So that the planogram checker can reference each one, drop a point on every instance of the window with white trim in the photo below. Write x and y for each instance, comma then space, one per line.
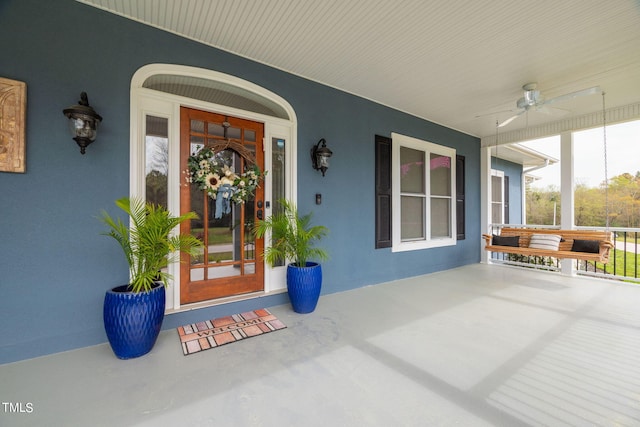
424, 188
497, 197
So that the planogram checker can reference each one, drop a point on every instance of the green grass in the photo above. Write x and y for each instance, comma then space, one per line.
217, 235
630, 239
632, 263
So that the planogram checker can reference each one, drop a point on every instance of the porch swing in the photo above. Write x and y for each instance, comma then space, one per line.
584, 245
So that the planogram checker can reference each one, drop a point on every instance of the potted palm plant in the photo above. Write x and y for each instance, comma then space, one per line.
293, 238
133, 313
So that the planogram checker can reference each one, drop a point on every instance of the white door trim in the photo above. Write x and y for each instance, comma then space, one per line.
151, 102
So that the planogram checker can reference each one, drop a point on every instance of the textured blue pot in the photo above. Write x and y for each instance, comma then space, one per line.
303, 284
133, 320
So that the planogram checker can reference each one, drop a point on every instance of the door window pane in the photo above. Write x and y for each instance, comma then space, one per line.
197, 126
197, 142
277, 172
197, 225
235, 133
250, 135
215, 129
156, 159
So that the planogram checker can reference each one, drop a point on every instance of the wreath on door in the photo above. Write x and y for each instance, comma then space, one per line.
218, 179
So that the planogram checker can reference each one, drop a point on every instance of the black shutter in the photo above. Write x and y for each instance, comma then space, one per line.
506, 199
460, 198
383, 192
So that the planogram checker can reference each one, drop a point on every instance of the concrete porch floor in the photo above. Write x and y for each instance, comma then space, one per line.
479, 345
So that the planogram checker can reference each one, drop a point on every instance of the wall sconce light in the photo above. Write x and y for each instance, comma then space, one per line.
320, 156
83, 122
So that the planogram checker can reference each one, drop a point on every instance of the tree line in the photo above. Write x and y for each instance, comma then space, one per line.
622, 197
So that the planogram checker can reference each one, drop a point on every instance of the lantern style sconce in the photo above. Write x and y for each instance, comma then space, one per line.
320, 156
83, 122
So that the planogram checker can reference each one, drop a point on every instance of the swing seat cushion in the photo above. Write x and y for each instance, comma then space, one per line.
589, 246
549, 242
512, 241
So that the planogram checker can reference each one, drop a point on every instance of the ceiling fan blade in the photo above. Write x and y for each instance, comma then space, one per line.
479, 116
565, 97
510, 119
555, 111
544, 110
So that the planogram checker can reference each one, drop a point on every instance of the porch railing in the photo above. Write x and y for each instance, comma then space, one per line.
623, 262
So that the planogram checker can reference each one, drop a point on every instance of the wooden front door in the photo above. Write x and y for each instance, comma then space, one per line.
230, 262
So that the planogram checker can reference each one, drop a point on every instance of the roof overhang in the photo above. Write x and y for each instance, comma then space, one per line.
524, 156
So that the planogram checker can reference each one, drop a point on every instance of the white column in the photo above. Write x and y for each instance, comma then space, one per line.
485, 198
567, 266
523, 198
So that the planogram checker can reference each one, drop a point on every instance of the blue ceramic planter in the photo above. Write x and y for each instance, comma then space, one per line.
132, 321
304, 284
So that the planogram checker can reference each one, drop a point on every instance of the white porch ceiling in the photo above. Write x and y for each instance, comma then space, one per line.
446, 61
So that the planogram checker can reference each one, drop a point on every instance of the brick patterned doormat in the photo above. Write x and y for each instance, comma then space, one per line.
225, 330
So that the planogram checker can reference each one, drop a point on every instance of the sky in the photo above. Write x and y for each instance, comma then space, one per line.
623, 154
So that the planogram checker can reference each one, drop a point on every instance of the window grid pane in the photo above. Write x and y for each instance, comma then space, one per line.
496, 189
197, 126
440, 217
412, 218
412, 171
440, 170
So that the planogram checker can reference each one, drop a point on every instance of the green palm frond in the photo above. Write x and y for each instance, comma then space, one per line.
148, 244
292, 236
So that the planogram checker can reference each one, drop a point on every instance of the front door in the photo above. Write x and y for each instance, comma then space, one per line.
230, 262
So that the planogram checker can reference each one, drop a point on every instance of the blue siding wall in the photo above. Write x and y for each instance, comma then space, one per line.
55, 264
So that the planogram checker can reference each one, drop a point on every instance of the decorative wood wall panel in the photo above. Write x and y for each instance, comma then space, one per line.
13, 110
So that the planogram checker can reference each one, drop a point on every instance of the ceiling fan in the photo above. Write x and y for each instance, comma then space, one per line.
532, 99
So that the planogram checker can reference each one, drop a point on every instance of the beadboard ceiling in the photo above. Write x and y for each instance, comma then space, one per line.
448, 61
